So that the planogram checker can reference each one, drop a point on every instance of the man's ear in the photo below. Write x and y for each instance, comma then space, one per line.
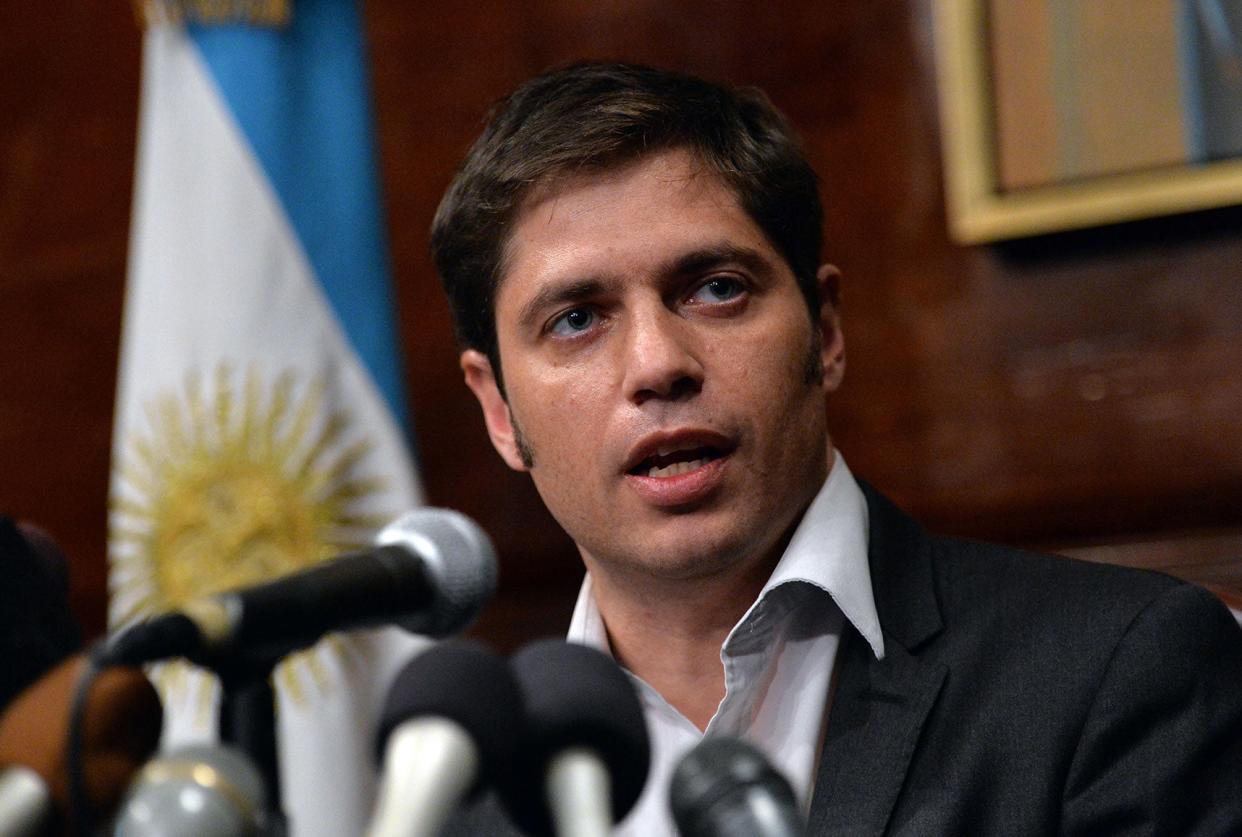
832, 342
482, 382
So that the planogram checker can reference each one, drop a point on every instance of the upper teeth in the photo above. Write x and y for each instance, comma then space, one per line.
677, 468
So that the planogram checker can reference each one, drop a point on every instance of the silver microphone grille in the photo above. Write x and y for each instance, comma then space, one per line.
460, 557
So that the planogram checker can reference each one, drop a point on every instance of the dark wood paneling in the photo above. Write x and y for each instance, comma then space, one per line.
1063, 391
68, 84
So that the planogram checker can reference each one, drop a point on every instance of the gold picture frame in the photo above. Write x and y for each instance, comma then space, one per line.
980, 211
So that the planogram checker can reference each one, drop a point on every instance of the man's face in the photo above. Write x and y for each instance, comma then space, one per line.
660, 369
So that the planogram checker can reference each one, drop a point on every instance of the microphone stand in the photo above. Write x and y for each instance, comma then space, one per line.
248, 722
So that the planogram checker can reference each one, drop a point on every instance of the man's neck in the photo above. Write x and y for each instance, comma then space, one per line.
669, 631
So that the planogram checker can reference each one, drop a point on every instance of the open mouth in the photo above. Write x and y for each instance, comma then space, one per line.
674, 463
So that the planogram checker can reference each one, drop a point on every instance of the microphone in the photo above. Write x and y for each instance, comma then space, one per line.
120, 730
724, 787
25, 802
450, 724
195, 791
37, 628
586, 758
431, 571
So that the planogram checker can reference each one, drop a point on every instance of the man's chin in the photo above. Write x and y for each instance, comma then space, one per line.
694, 555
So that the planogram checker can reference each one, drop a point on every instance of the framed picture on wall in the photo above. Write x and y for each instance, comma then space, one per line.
1063, 114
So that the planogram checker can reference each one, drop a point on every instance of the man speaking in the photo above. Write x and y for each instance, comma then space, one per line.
633, 260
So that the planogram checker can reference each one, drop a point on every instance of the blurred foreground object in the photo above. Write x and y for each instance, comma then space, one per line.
120, 730
724, 787
196, 791
37, 629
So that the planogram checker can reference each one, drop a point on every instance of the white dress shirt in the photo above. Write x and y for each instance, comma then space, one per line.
778, 660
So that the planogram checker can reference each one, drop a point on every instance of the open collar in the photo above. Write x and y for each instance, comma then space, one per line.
881, 705
828, 550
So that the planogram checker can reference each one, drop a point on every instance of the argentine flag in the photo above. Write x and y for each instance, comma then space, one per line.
260, 421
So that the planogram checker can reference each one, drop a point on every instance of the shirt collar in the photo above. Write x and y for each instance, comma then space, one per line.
828, 551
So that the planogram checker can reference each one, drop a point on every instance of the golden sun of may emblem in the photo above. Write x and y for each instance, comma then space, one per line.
232, 487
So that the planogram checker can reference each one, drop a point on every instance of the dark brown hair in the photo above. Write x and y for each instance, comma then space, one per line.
591, 116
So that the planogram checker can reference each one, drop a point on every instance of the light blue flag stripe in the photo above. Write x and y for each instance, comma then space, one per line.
300, 97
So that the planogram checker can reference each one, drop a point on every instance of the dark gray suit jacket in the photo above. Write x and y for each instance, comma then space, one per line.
1025, 694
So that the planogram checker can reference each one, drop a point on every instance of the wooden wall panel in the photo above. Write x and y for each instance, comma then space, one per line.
1075, 391
68, 97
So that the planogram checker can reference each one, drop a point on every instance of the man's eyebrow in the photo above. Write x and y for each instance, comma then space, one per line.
696, 261
558, 294
716, 255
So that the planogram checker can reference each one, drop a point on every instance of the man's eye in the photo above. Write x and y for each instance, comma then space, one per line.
572, 322
720, 289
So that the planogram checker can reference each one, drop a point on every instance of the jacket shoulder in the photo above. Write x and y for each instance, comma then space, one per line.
952, 583
1048, 584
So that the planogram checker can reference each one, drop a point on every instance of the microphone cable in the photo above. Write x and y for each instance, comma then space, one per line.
70, 743
80, 811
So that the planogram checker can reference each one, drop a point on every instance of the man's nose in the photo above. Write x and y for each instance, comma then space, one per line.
661, 358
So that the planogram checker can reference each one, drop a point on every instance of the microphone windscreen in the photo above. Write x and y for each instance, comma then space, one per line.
715, 785
458, 555
575, 697
37, 628
120, 731
467, 684
48, 553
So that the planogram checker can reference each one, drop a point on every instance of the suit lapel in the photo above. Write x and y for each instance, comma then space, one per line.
880, 706
877, 714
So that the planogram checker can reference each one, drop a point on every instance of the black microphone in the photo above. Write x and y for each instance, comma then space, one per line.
195, 791
724, 787
430, 572
585, 759
450, 724
37, 628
